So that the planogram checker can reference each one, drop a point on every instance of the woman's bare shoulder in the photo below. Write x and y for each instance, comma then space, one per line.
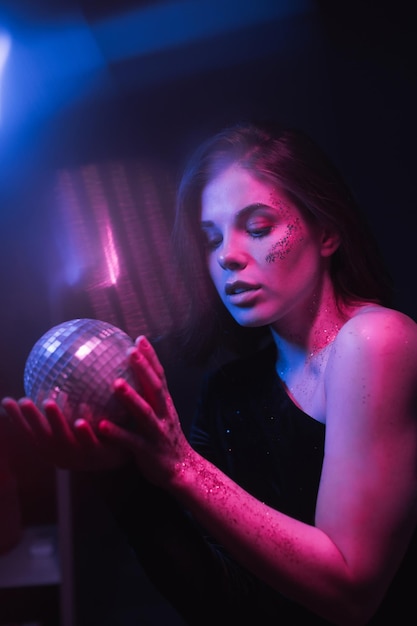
374, 333
375, 350
380, 325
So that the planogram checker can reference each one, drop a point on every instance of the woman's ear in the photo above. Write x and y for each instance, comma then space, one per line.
330, 241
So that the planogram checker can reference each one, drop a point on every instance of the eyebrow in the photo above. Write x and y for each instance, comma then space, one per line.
250, 208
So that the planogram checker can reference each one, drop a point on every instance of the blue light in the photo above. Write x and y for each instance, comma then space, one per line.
5, 45
155, 28
50, 65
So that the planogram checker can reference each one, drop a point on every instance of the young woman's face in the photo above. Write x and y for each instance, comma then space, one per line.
264, 258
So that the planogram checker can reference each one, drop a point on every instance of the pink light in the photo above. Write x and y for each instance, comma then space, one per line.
110, 254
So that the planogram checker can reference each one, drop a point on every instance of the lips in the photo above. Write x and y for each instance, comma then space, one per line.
238, 287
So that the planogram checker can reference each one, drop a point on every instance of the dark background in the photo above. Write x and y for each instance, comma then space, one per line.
101, 103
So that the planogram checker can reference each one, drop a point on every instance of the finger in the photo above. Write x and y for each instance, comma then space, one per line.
34, 426
145, 356
99, 447
150, 375
35, 420
85, 434
120, 436
146, 376
137, 406
16, 418
148, 352
59, 425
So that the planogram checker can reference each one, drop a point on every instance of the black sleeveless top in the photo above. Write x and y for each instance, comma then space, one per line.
248, 426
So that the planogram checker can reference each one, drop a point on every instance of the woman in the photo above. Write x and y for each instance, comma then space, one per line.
295, 495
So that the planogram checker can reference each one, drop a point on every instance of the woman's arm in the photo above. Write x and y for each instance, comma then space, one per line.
366, 511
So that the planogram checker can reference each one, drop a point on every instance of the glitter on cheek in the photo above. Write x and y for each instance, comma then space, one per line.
280, 204
282, 247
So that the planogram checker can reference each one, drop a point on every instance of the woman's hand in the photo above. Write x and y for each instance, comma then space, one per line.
74, 447
156, 438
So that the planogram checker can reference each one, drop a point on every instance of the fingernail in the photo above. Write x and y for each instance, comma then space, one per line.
103, 426
119, 384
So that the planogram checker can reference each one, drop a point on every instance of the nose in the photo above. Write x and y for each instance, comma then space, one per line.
230, 257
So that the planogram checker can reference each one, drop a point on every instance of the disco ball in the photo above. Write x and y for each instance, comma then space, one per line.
75, 363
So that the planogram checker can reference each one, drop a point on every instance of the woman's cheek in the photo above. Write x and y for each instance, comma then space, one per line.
281, 248
214, 271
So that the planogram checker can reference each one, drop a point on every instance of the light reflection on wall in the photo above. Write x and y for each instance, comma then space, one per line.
112, 230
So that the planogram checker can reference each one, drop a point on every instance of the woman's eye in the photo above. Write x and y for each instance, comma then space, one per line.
258, 231
211, 243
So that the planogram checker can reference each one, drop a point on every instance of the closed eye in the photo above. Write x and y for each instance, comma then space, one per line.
212, 239
212, 244
259, 232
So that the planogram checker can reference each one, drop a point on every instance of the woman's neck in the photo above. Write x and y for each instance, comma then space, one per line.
300, 338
